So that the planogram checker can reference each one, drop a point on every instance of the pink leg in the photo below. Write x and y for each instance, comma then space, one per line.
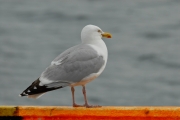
85, 99
74, 104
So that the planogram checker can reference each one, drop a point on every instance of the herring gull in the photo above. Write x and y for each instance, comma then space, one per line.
76, 66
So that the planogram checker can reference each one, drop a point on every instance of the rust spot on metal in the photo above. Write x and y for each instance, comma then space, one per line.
146, 112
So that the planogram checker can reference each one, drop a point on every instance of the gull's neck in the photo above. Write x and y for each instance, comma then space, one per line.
99, 45
97, 41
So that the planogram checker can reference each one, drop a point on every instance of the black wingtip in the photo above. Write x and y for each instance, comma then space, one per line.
30, 90
36, 88
23, 94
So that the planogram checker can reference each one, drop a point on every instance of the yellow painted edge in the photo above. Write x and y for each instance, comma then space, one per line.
7, 110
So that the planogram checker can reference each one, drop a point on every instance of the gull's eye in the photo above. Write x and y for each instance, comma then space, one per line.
99, 31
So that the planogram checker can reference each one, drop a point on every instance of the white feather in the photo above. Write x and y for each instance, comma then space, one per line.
36, 96
56, 62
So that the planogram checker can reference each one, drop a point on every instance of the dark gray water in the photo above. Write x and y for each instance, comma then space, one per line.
144, 54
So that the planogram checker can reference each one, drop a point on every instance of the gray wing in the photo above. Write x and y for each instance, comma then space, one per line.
72, 66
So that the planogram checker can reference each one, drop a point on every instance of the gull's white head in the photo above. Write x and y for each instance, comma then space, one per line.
92, 32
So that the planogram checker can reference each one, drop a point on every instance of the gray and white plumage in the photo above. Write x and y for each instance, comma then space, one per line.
77, 65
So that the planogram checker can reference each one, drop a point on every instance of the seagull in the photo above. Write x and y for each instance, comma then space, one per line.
76, 66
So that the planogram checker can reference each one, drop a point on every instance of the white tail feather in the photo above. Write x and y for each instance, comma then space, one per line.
35, 96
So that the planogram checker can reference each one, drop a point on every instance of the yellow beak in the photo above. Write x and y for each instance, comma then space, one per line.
106, 35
